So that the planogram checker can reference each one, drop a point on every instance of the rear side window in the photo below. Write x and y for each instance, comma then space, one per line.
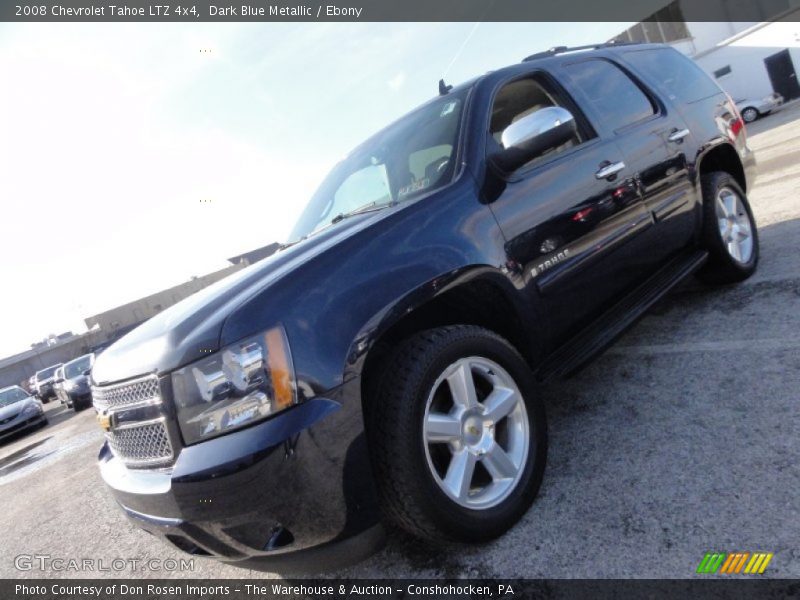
614, 95
678, 77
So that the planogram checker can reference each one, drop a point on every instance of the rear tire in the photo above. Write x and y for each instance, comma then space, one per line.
453, 464
729, 230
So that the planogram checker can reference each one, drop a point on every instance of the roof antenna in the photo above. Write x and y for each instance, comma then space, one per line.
444, 88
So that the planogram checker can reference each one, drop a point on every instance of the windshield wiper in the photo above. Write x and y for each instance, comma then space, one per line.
360, 210
372, 206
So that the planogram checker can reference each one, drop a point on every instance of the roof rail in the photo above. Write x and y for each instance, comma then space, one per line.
564, 49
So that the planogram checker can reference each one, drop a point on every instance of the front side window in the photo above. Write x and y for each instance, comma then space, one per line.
521, 98
614, 96
414, 156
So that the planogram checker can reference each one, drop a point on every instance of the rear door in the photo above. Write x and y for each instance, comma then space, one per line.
653, 139
571, 217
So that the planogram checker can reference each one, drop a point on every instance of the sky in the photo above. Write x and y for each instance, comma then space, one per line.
134, 156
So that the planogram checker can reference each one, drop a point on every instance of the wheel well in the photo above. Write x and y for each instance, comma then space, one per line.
479, 303
724, 158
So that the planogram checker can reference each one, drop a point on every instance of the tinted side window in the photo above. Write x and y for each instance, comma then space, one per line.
617, 99
677, 76
521, 98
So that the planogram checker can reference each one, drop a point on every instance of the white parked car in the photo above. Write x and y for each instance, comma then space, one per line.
752, 109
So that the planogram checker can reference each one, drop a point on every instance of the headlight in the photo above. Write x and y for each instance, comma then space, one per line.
236, 387
31, 409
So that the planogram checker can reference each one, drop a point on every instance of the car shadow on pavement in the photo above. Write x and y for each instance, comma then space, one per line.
22, 458
17, 453
60, 414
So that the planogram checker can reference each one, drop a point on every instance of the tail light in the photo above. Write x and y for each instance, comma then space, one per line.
736, 125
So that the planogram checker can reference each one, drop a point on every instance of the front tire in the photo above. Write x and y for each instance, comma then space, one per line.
729, 230
750, 114
458, 435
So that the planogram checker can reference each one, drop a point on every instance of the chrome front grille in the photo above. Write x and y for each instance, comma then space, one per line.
138, 433
123, 394
145, 443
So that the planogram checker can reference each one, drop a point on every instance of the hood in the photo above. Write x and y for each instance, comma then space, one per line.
12, 410
77, 380
191, 328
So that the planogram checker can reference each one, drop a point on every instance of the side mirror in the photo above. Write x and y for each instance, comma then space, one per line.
87, 372
532, 135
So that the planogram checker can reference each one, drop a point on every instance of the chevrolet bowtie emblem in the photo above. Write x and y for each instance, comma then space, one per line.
106, 421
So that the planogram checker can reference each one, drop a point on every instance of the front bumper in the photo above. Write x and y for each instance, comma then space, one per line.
81, 398
20, 425
293, 493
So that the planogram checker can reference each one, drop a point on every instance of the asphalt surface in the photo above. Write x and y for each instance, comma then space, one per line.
680, 440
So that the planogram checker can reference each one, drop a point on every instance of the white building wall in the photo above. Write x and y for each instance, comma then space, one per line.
748, 77
743, 47
706, 35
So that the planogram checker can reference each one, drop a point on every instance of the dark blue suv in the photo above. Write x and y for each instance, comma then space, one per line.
381, 368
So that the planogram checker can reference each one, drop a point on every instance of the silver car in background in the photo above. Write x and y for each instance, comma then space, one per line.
19, 411
752, 109
45, 380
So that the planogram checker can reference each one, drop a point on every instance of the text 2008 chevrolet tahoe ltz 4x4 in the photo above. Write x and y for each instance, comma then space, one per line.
382, 368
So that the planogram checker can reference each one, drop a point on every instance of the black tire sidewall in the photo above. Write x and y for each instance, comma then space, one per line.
722, 267
456, 521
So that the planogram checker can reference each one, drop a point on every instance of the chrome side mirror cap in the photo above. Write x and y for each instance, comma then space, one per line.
533, 135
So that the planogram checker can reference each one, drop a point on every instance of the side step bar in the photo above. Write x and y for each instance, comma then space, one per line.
601, 333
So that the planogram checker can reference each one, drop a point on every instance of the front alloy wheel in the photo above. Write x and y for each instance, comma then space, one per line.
476, 432
458, 435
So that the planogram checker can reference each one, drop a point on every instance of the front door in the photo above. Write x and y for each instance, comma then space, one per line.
571, 217
780, 69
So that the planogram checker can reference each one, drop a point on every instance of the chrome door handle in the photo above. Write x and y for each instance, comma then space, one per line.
678, 135
609, 170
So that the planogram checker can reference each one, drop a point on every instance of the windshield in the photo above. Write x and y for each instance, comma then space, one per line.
77, 367
411, 157
11, 395
46, 373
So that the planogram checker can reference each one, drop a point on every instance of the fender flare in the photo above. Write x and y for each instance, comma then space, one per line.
376, 326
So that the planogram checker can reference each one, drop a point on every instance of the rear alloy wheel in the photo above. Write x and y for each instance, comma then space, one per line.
458, 435
734, 225
729, 230
749, 114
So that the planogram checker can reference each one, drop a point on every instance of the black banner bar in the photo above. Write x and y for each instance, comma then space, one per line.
730, 588
394, 10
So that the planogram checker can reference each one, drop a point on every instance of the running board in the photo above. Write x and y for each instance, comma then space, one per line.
601, 333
